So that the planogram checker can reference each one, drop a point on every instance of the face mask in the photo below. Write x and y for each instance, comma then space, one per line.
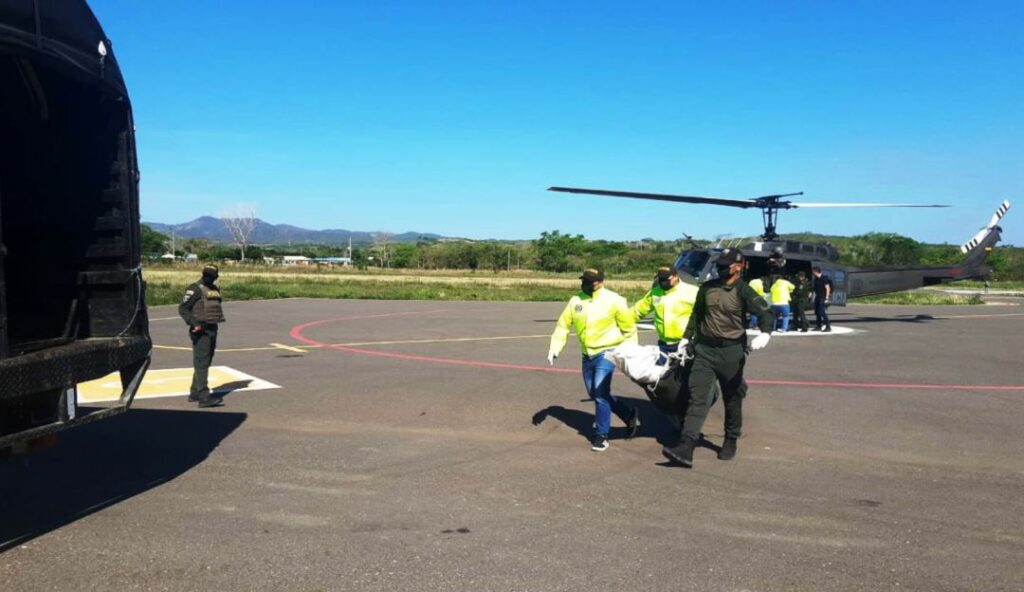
587, 287
723, 271
209, 279
665, 284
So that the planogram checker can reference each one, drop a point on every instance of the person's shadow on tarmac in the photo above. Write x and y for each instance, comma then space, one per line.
97, 465
229, 387
653, 423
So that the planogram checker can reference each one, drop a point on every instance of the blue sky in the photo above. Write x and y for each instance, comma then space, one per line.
454, 117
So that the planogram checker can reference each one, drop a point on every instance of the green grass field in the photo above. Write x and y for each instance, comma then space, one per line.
166, 285
920, 298
971, 284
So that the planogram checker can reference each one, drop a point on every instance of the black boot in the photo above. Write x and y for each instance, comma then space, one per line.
728, 451
633, 424
210, 400
682, 452
195, 396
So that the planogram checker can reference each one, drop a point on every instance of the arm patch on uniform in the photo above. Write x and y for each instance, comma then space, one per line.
188, 294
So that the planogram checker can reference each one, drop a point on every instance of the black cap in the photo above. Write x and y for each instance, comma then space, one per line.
665, 272
592, 274
730, 256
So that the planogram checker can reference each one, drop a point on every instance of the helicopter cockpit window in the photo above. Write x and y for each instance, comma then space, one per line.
692, 263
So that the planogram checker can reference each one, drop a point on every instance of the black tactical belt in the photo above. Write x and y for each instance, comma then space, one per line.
718, 341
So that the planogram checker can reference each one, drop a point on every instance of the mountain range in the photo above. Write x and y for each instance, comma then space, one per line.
212, 229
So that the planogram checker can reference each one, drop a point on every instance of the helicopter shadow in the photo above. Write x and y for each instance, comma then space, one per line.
98, 465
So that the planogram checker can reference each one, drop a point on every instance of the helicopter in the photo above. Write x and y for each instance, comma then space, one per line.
774, 255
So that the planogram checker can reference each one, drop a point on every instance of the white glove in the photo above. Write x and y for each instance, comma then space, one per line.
683, 352
760, 341
551, 358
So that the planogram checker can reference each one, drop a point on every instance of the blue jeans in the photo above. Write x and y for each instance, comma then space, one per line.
783, 310
597, 378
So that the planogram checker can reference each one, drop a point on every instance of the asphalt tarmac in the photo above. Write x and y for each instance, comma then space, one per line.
428, 446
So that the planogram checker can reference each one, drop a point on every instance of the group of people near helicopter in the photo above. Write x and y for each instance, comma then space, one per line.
704, 327
791, 296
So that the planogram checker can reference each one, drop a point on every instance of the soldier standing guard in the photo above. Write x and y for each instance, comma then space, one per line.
202, 308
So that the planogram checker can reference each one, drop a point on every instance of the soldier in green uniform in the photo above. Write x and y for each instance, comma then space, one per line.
717, 330
202, 308
801, 298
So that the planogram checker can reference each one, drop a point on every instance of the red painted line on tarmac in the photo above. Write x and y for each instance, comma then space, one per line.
296, 333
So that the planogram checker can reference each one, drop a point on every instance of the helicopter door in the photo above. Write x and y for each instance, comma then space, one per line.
838, 275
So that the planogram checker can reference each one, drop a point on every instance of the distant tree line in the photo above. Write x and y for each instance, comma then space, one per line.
557, 252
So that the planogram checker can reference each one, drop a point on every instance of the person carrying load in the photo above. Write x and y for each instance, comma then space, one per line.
671, 299
602, 320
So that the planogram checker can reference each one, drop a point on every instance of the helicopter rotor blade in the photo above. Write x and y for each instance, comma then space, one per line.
860, 205
718, 201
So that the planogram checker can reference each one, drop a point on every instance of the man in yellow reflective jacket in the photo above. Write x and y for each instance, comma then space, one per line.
602, 320
672, 300
782, 293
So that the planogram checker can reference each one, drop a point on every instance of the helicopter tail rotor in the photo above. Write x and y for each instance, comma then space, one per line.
986, 231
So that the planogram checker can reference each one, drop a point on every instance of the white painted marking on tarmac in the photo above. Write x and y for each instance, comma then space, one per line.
270, 347
288, 347
441, 340
174, 382
983, 316
836, 330
175, 347
978, 292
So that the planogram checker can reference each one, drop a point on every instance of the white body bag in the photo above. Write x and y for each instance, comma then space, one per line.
644, 364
